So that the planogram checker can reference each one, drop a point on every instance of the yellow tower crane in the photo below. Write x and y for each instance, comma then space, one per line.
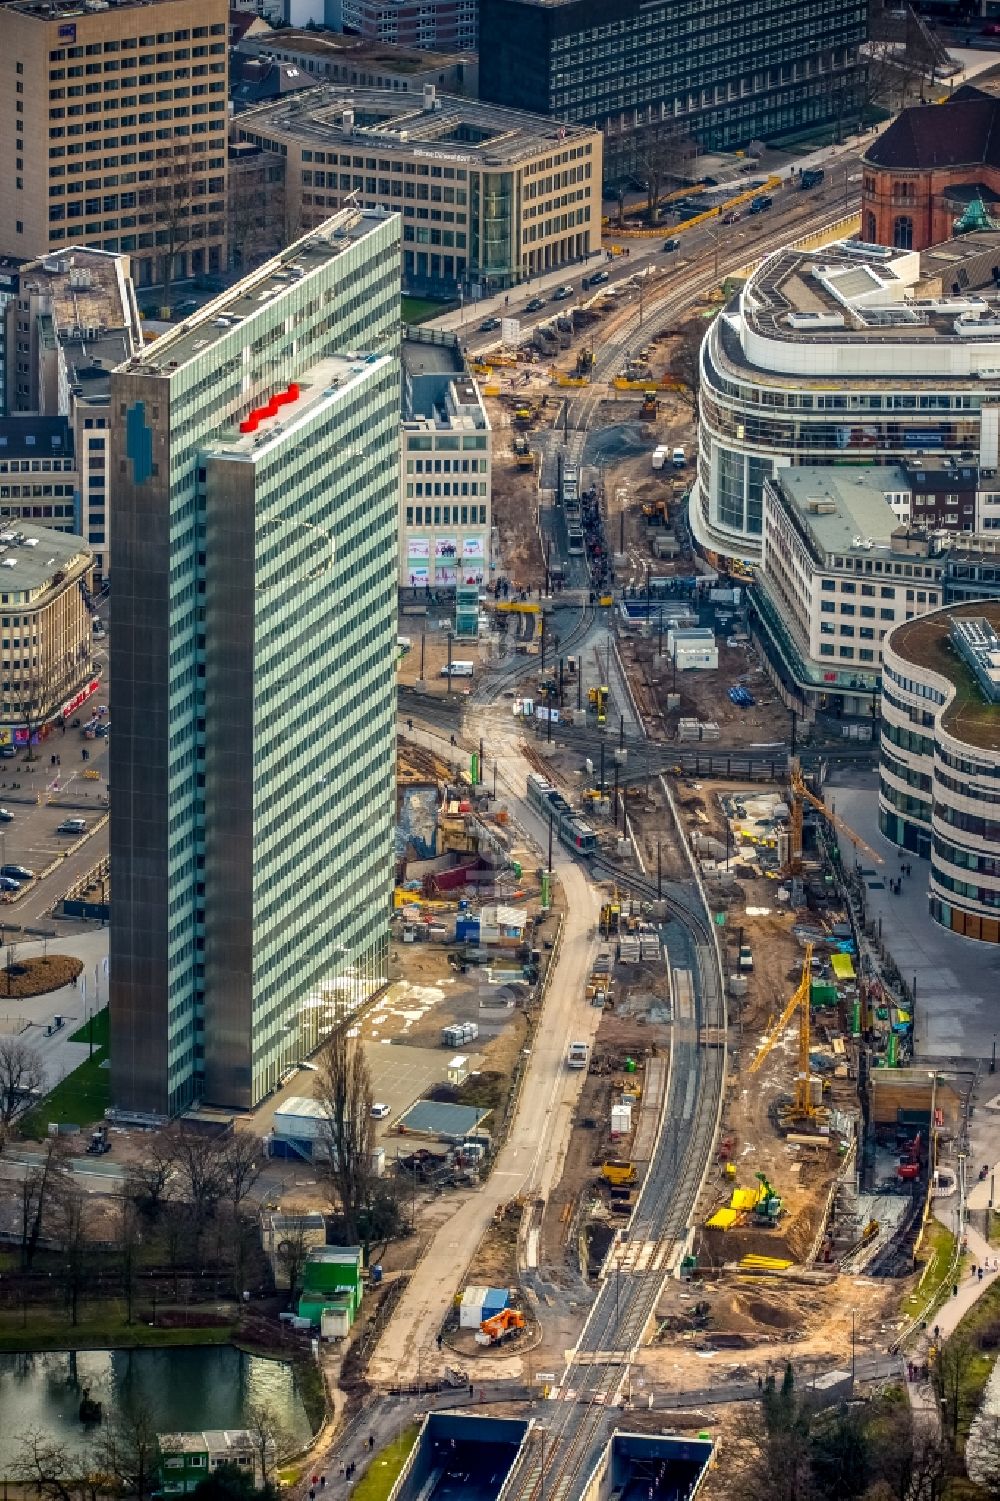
801, 1108
803, 794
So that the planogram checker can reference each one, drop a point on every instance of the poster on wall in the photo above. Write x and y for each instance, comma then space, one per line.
418, 547
446, 547
446, 576
472, 575
419, 577
472, 547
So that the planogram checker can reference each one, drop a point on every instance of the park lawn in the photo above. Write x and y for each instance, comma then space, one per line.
100, 1327
82, 1097
383, 1472
419, 309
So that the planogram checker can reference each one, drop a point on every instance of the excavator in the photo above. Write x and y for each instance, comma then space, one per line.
801, 1110
507, 1324
767, 1211
802, 794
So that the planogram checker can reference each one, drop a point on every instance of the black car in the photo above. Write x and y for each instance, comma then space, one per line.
671, 244
17, 872
535, 305
488, 325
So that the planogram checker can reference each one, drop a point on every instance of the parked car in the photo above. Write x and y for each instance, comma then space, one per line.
535, 305
72, 826
18, 872
561, 293
671, 244
731, 218
6, 816
761, 204
599, 277
8, 752
380, 1111
7, 883
488, 325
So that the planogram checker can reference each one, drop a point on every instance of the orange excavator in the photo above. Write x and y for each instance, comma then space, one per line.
507, 1324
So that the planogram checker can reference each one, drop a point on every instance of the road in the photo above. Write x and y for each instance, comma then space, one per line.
530, 1162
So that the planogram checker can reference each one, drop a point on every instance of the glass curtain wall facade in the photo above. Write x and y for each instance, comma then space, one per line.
337, 290
721, 72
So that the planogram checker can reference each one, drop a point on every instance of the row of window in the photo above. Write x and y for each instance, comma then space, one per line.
446, 515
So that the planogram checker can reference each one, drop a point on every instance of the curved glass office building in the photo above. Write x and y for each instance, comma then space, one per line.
841, 355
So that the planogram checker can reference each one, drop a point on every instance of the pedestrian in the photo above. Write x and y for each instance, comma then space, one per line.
371, 1442
312, 1494
341, 1469
954, 1289
322, 1482
760, 1383
980, 1274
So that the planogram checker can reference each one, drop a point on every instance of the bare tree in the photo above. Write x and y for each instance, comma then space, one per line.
664, 153
344, 1089
242, 1162
71, 1219
198, 1162
268, 1438
172, 200
128, 1452
22, 1078
291, 1254
685, 366
128, 1238
40, 1185
148, 1179
949, 1377
47, 1466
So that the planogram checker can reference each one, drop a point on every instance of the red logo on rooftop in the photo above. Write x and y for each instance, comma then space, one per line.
251, 423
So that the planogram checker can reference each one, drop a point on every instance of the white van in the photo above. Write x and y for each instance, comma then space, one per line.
678, 458
458, 670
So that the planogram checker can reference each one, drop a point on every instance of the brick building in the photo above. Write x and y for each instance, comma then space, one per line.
922, 173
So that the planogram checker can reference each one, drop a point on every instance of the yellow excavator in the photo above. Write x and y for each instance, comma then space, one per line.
802, 794
802, 1110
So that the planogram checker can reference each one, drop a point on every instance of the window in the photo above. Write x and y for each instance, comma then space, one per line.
902, 233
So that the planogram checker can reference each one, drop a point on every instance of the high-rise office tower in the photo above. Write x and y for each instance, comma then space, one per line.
255, 454
720, 73
114, 119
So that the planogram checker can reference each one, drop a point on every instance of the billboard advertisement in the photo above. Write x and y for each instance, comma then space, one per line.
446, 574
419, 577
446, 547
418, 547
472, 547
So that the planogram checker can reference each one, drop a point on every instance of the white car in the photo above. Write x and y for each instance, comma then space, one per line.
380, 1111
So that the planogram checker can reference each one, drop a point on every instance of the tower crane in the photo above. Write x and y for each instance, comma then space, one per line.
801, 1108
803, 794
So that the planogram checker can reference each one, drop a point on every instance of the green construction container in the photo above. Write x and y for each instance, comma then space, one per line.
821, 993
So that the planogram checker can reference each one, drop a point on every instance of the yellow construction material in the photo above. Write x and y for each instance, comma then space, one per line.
722, 1219
765, 1263
745, 1198
516, 607
842, 966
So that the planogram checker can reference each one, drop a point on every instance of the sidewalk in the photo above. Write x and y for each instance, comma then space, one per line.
971, 1287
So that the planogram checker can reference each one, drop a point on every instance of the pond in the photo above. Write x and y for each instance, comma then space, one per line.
184, 1389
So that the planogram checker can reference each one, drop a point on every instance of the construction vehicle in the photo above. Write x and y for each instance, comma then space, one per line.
578, 1055
507, 1324
610, 918
802, 1108
655, 512
767, 1210
524, 414
523, 457
598, 699
648, 409
617, 1172
802, 794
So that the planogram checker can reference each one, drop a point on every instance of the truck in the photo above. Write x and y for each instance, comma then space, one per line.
660, 455
578, 1055
569, 487
811, 177
574, 540
617, 1172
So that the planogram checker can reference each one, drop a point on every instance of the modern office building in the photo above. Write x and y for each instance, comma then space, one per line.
441, 25
939, 760
850, 354
716, 72
39, 477
256, 460
445, 515
114, 121
47, 655
838, 571
487, 196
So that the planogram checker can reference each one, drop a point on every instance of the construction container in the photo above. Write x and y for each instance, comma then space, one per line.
479, 1303
621, 1120
738, 985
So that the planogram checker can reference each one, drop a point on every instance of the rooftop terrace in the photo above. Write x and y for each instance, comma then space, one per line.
926, 643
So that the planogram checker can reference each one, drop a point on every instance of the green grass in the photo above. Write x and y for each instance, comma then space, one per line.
100, 1327
99, 1025
936, 1251
83, 1096
383, 1472
419, 309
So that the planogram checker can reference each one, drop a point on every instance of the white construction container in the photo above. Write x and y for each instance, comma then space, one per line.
621, 1120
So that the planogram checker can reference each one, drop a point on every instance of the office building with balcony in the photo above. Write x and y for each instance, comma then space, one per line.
114, 121
851, 354
718, 73
487, 196
445, 515
939, 760
255, 451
